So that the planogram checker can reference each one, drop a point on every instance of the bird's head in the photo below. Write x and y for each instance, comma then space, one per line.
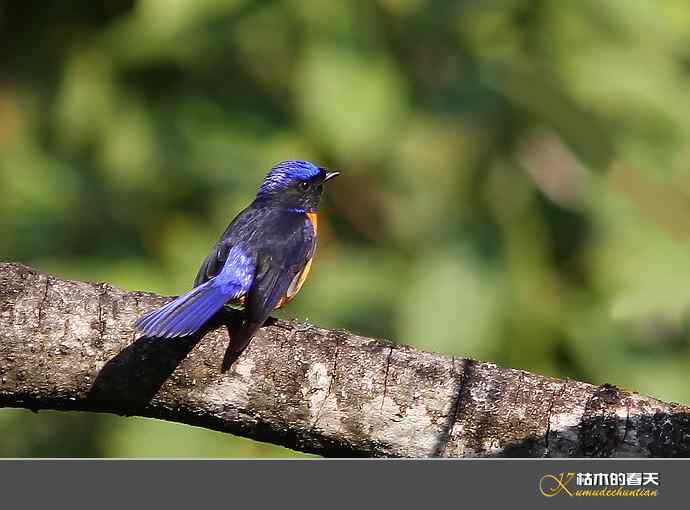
295, 185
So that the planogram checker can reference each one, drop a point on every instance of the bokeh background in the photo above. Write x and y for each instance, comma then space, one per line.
516, 174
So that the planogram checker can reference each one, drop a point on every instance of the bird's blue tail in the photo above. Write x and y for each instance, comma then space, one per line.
186, 314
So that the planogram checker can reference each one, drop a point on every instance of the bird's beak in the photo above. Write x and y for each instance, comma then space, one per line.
330, 175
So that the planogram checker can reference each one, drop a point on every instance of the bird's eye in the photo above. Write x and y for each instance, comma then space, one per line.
305, 185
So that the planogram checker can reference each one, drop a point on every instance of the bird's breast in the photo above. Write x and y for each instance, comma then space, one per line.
314, 220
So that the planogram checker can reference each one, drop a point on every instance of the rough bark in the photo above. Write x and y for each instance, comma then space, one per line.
70, 345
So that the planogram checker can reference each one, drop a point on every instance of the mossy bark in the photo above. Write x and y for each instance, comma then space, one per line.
70, 345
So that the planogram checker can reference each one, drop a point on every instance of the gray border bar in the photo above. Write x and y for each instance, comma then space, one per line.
419, 484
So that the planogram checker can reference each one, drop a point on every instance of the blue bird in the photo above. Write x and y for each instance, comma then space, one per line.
260, 262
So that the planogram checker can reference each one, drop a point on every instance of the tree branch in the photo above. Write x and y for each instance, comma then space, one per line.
70, 345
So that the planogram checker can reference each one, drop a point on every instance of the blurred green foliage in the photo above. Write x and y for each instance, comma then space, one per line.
516, 174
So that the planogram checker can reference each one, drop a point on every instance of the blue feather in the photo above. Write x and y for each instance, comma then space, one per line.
285, 172
188, 313
184, 315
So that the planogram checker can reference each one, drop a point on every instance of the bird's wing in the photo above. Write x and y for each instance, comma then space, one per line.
233, 236
277, 266
215, 261
186, 314
299, 279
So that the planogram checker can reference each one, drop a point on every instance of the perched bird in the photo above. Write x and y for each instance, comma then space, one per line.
260, 262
